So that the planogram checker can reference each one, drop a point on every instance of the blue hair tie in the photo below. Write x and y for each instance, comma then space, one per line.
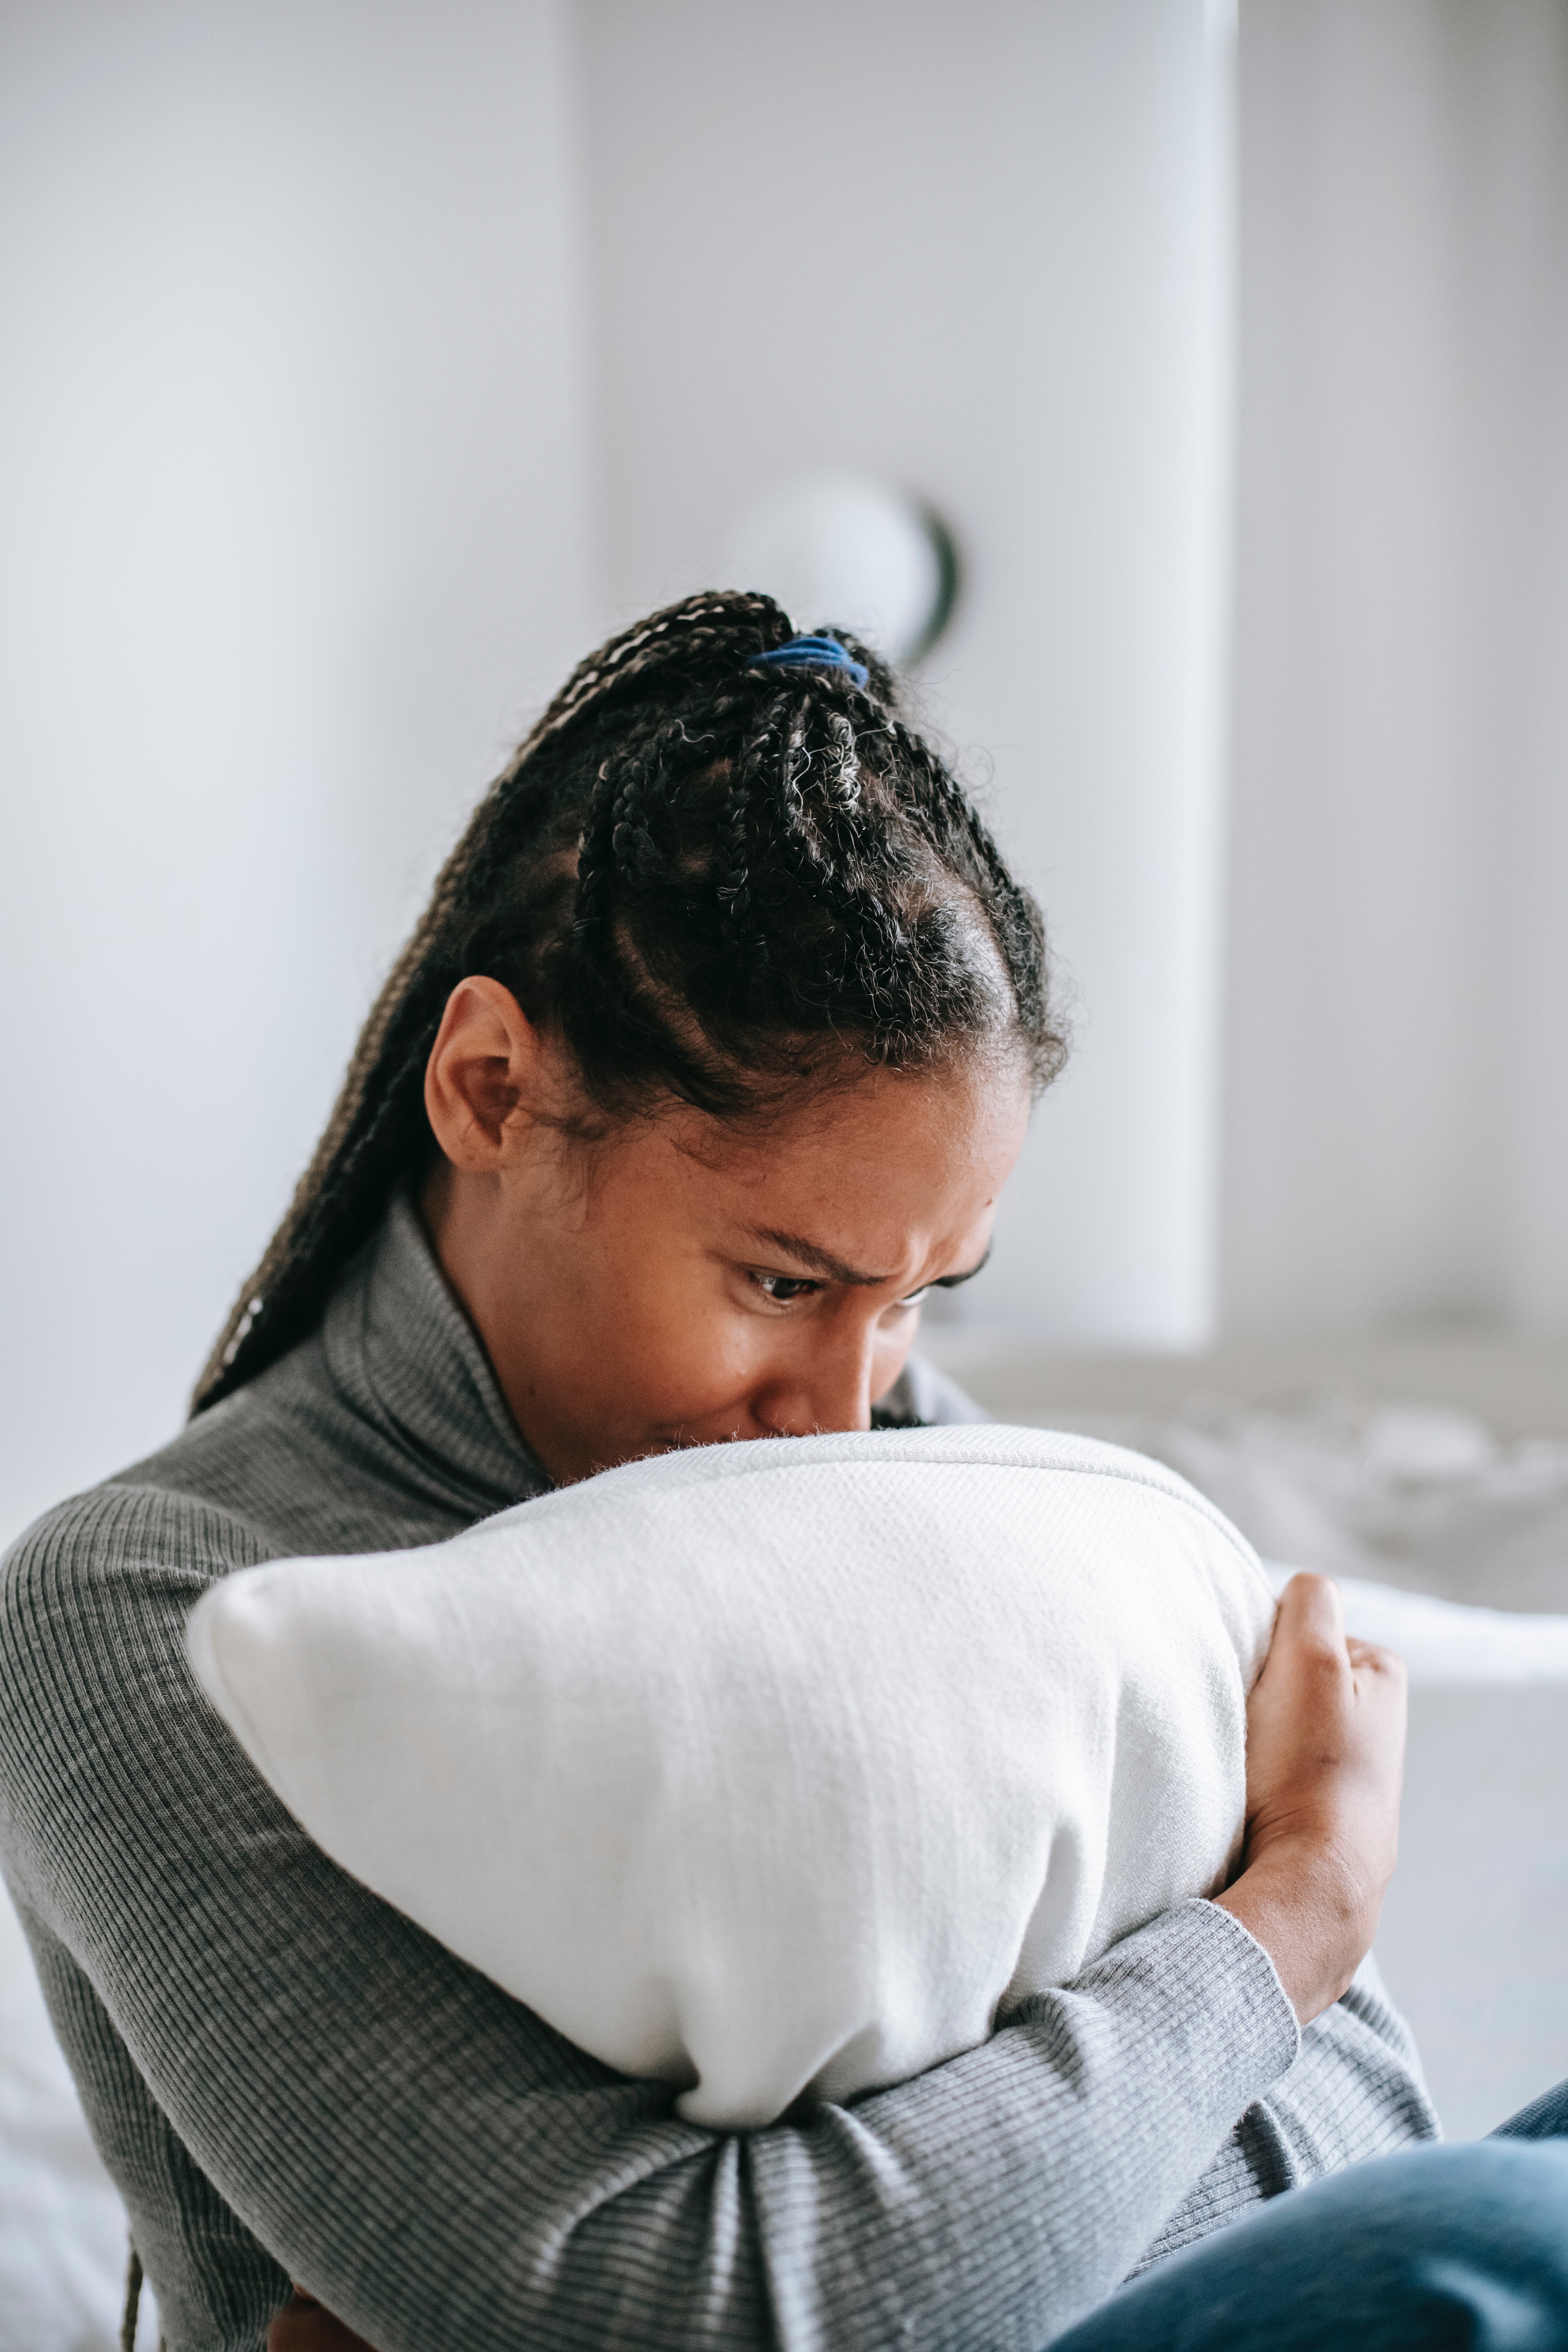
813, 653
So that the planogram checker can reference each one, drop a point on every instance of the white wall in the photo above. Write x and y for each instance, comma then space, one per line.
295, 522
1396, 1140
979, 250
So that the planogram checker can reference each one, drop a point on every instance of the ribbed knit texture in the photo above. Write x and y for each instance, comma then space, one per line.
290, 2081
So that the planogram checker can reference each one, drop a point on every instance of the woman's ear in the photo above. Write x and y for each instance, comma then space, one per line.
486, 1065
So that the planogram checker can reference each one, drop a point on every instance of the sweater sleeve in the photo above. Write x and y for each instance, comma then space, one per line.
327, 2095
215, 2284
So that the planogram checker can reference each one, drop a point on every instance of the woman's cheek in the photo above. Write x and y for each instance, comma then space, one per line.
717, 1354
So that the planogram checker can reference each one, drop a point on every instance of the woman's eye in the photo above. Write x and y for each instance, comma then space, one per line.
782, 1287
915, 1298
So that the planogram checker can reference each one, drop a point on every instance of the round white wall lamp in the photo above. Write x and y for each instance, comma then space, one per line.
846, 548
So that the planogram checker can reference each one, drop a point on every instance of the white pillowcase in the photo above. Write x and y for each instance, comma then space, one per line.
761, 1768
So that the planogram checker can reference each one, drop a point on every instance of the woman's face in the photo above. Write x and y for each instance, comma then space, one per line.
676, 1286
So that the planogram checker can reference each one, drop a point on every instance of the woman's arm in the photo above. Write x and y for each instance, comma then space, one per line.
439, 2166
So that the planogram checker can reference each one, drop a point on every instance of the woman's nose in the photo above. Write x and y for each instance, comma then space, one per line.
827, 1385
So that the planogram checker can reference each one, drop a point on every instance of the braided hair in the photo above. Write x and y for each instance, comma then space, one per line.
712, 880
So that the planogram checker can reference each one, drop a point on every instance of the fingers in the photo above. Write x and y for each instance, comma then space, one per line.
1308, 1652
1311, 1612
305, 2326
1312, 1622
1325, 1742
1370, 1657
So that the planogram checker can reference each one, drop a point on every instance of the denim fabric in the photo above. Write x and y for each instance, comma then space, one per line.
1435, 2250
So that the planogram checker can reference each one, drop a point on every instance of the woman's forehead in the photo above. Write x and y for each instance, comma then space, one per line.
860, 1173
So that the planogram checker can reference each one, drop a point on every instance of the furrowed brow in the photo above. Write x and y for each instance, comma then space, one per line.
816, 1259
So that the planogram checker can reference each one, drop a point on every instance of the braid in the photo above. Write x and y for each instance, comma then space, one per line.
731, 872
710, 881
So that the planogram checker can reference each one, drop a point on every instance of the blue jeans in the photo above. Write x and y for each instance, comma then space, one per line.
1437, 2249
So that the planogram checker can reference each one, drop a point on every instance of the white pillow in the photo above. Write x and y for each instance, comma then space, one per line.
766, 1768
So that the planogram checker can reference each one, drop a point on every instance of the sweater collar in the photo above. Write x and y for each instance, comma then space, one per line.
404, 1352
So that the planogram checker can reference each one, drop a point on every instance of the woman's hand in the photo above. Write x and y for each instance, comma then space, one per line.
305, 2326
1325, 1758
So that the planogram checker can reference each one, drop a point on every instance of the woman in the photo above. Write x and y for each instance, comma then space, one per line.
710, 1057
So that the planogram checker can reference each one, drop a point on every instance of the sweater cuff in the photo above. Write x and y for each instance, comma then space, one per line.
1207, 1987
1275, 2007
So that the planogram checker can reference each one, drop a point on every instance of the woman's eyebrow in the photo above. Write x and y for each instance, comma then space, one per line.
822, 1262
819, 1261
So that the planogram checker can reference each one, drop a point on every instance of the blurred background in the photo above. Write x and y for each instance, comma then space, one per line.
367, 361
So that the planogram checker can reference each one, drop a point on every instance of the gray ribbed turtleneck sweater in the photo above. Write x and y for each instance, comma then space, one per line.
288, 2079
